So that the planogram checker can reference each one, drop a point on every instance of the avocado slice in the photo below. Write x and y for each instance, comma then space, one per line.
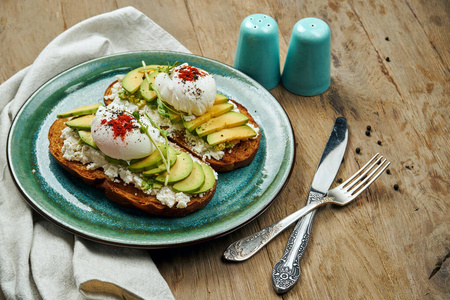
227, 120
144, 88
210, 179
116, 161
162, 167
82, 123
180, 170
215, 111
155, 171
81, 111
193, 182
174, 118
151, 161
157, 185
229, 134
220, 99
86, 137
132, 81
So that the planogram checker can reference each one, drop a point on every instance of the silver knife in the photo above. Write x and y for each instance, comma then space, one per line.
286, 272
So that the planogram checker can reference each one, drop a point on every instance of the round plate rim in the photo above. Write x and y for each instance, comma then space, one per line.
31, 202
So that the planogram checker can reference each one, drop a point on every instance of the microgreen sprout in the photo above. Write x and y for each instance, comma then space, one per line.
162, 107
146, 76
149, 183
164, 133
165, 69
168, 68
136, 116
146, 184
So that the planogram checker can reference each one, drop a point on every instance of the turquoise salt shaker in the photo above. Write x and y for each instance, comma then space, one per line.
257, 51
307, 68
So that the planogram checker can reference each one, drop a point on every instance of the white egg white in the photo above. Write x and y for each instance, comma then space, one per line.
195, 96
132, 145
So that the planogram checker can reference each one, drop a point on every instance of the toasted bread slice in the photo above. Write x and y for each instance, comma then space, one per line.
125, 195
241, 155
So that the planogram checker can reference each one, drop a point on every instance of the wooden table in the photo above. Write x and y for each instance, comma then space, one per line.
390, 70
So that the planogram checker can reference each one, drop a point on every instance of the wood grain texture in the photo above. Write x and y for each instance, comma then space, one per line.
390, 70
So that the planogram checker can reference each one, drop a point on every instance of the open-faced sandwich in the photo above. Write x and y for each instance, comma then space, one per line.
184, 101
158, 140
127, 156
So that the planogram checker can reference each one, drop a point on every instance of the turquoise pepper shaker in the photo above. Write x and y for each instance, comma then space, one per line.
257, 51
307, 68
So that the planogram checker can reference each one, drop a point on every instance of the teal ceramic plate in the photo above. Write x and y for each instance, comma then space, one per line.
241, 195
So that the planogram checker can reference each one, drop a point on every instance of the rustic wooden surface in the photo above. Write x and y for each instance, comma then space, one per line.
390, 70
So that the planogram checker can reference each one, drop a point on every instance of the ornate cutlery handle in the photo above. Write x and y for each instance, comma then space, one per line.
248, 246
286, 272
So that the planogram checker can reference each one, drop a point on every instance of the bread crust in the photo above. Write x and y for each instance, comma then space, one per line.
239, 156
118, 192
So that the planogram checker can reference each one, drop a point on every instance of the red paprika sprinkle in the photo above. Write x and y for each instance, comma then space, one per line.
189, 73
121, 125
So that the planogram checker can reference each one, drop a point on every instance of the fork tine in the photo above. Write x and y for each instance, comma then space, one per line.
359, 172
363, 178
372, 178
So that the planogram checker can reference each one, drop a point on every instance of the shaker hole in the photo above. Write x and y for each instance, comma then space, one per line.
255, 26
259, 20
312, 25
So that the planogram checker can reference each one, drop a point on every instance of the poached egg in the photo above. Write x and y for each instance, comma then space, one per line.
188, 89
118, 135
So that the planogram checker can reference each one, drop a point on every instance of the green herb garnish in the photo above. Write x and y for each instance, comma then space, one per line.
160, 105
168, 68
149, 183
164, 133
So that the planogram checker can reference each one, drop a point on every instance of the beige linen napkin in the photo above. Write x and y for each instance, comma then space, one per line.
38, 260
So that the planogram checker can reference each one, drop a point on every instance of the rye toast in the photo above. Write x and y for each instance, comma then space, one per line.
125, 195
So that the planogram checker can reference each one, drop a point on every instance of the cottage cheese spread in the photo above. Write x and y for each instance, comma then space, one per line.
197, 144
93, 159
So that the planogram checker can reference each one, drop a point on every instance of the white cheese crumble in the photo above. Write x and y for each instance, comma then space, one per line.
201, 148
168, 197
93, 159
188, 118
197, 144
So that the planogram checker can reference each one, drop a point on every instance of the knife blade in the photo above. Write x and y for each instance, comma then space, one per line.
286, 271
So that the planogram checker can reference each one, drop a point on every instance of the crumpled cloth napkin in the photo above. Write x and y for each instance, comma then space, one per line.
38, 260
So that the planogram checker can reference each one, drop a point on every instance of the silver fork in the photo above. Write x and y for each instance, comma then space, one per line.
340, 195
